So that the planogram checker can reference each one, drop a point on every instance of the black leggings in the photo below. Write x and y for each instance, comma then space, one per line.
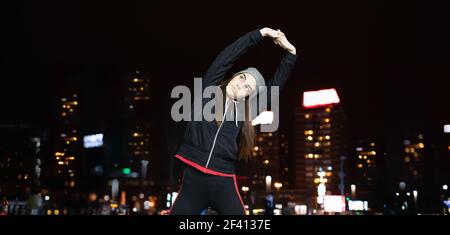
200, 190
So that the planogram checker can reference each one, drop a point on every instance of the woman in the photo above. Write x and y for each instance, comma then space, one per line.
210, 149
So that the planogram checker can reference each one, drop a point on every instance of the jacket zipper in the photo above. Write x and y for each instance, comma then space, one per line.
217, 133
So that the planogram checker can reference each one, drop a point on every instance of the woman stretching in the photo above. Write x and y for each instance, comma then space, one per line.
210, 149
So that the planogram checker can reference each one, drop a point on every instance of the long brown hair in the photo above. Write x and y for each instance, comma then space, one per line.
247, 135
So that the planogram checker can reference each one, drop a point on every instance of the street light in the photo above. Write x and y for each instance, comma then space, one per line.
114, 189
444, 187
415, 193
353, 189
245, 189
402, 185
268, 183
278, 185
144, 164
321, 188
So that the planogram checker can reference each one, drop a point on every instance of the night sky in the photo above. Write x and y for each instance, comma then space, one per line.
389, 61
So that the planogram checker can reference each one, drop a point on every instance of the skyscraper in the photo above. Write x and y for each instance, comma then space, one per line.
413, 182
137, 103
67, 146
364, 180
413, 160
320, 149
20, 160
135, 164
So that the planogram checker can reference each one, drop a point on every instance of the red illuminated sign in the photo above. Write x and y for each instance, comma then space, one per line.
313, 99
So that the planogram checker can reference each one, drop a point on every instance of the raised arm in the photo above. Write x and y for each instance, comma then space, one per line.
285, 67
286, 64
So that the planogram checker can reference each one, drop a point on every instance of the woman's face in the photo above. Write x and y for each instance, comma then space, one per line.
241, 86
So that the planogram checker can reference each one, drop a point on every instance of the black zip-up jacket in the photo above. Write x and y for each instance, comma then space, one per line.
213, 147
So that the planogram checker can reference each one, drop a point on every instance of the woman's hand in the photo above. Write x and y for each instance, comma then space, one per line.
285, 44
279, 38
268, 32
